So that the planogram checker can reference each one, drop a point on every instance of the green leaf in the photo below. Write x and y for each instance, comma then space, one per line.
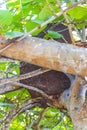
37, 21
78, 12
3, 65
45, 13
51, 112
14, 34
31, 25
54, 34
5, 18
13, 94
6, 105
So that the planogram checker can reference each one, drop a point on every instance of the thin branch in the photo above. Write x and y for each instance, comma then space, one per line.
36, 123
8, 88
6, 47
78, 22
17, 85
67, 21
24, 76
84, 34
33, 89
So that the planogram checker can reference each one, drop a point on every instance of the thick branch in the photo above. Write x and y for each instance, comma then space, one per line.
50, 54
74, 100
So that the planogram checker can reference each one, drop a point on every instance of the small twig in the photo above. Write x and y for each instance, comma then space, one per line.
64, 40
24, 76
83, 34
8, 43
77, 22
26, 118
6, 47
36, 123
59, 31
67, 20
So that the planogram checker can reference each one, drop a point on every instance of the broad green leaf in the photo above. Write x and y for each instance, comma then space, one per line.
5, 18
79, 15
31, 25
45, 13
78, 12
54, 34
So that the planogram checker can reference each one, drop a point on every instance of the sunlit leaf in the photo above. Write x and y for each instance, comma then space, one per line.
5, 18
45, 13
78, 12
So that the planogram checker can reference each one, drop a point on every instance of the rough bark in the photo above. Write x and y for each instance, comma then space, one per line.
50, 54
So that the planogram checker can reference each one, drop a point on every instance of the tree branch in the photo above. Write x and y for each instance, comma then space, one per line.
74, 100
34, 89
67, 21
8, 88
49, 54
24, 76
